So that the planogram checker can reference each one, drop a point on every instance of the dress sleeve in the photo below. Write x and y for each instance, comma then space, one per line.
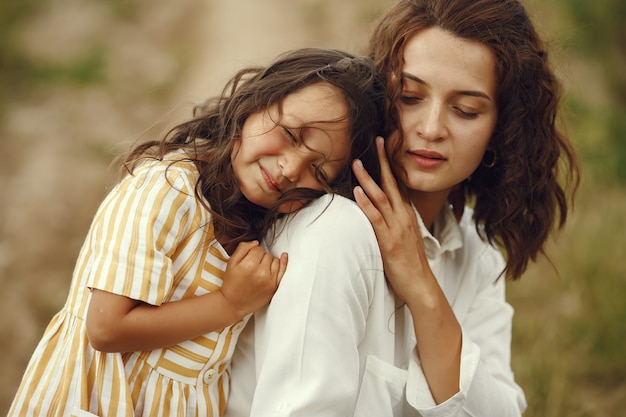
136, 230
306, 342
487, 385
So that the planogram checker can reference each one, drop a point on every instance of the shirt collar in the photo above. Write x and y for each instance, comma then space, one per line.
447, 235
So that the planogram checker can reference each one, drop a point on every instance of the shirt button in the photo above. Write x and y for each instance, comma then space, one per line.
209, 376
238, 326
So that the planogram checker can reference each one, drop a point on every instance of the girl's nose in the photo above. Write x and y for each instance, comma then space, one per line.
291, 165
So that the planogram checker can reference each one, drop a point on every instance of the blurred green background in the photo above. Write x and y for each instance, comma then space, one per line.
81, 80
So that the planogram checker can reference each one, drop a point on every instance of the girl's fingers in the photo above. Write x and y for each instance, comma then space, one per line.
242, 250
282, 267
275, 266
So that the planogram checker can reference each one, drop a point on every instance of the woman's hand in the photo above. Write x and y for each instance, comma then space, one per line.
395, 225
437, 331
252, 277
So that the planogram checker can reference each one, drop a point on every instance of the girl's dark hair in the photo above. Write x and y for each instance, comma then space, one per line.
520, 199
209, 137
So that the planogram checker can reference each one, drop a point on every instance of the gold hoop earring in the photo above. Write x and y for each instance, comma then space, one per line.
489, 158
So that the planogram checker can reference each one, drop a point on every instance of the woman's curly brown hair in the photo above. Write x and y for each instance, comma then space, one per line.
519, 199
209, 137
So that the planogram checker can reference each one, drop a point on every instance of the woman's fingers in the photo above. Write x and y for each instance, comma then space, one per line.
389, 183
369, 196
365, 180
388, 198
371, 212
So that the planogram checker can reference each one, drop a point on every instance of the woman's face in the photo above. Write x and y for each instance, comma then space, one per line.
269, 159
447, 109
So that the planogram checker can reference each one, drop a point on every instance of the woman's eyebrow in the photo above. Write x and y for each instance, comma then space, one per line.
414, 78
471, 93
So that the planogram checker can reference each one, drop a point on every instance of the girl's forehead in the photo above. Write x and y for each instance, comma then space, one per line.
318, 102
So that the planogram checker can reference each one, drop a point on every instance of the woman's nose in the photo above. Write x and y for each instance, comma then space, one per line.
432, 122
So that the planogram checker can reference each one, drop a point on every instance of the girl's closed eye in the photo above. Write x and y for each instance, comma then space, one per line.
289, 134
318, 171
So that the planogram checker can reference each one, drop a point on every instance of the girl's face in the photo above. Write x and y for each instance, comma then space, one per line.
270, 159
447, 109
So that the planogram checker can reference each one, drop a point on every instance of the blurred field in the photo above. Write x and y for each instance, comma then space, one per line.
82, 80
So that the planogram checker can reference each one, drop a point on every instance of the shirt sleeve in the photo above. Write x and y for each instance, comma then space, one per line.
487, 385
136, 229
306, 341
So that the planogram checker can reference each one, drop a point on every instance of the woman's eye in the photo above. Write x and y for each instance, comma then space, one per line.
407, 99
466, 114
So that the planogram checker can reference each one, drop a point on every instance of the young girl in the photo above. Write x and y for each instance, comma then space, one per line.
171, 268
473, 101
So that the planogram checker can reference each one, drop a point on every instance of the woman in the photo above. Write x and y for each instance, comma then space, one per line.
473, 104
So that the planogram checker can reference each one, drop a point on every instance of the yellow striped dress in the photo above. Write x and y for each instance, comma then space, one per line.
149, 241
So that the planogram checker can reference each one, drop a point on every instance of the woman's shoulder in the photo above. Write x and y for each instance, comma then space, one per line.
330, 221
330, 232
334, 210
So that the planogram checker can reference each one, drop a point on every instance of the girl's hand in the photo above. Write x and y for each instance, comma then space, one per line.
251, 278
395, 225
119, 324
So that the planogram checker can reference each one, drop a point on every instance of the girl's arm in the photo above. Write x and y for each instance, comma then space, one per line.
119, 324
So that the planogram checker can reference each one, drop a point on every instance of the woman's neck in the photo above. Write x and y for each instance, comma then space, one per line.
428, 204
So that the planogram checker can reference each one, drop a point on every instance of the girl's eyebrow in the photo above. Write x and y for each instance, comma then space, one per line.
471, 93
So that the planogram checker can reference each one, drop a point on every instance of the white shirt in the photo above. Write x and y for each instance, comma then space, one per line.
335, 341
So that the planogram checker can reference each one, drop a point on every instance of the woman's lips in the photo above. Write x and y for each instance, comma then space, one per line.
427, 159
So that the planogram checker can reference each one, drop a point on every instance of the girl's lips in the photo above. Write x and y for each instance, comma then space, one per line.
269, 181
427, 159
